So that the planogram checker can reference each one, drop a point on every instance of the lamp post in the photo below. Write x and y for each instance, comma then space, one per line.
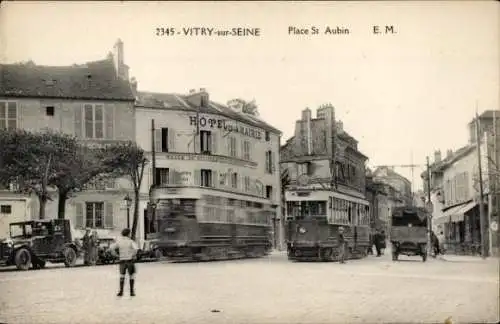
128, 201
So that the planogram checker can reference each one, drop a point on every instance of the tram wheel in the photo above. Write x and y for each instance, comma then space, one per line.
326, 254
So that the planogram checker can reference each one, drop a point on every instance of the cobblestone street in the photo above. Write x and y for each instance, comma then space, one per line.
268, 290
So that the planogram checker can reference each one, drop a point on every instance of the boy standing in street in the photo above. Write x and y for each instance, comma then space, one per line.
127, 250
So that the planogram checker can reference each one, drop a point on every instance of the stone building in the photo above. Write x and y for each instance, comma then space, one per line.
92, 101
387, 175
220, 155
307, 157
455, 189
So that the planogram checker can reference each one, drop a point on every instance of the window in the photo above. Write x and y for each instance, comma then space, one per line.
269, 161
246, 150
206, 178
164, 139
8, 115
268, 136
94, 214
161, 176
232, 146
269, 192
247, 184
304, 168
49, 110
5, 209
234, 180
94, 121
205, 141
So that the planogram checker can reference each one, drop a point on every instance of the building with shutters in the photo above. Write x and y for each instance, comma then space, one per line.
93, 101
206, 149
307, 159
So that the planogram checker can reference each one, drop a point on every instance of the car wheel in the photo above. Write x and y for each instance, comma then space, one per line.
23, 259
158, 254
69, 257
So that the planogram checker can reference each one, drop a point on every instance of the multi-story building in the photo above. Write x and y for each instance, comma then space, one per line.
92, 101
307, 157
215, 153
455, 190
387, 175
383, 198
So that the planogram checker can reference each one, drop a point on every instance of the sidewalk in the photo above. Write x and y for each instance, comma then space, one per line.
467, 258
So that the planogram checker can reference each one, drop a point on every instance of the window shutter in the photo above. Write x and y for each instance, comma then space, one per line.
158, 140
109, 119
273, 162
171, 140
197, 177
215, 179
242, 150
78, 122
173, 177
214, 143
197, 143
108, 216
78, 215
228, 145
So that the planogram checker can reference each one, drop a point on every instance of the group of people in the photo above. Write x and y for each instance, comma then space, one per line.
378, 239
90, 242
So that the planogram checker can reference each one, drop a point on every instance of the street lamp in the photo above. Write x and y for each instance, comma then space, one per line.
128, 201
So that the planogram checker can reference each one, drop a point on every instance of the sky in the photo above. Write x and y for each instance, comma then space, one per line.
402, 95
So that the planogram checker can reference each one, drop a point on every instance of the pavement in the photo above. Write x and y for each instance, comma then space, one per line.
265, 290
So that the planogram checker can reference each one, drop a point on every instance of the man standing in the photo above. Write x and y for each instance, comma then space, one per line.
127, 250
342, 243
86, 246
377, 240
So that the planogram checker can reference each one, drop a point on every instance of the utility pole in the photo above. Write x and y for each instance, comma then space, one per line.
429, 205
332, 133
152, 205
482, 216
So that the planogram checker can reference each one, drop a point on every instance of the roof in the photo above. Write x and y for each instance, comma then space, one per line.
180, 102
487, 114
92, 80
390, 174
443, 164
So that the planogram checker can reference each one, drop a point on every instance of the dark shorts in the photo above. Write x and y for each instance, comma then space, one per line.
127, 266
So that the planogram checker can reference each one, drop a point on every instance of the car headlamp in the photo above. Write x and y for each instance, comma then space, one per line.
9, 242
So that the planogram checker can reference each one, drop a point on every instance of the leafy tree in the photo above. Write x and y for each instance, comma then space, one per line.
128, 159
78, 166
248, 107
29, 160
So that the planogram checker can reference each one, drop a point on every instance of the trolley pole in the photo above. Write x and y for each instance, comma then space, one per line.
429, 204
482, 216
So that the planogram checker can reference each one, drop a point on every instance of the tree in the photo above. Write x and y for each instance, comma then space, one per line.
29, 161
128, 159
79, 166
248, 107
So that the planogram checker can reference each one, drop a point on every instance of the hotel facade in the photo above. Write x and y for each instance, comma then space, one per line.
218, 154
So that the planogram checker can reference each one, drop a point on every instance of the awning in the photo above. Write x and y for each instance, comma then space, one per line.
454, 214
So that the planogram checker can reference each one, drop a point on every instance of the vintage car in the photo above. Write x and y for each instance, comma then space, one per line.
149, 252
409, 232
33, 243
104, 254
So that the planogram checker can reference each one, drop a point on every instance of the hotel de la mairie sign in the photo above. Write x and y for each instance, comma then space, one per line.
228, 126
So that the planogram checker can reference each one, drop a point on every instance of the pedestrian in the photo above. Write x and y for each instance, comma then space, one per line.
86, 246
377, 240
127, 250
93, 244
382, 242
435, 244
342, 244
370, 247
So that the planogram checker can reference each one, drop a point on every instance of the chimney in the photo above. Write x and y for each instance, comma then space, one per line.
118, 60
340, 127
235, 105
198, 99
437, 156
449, 153
306, 114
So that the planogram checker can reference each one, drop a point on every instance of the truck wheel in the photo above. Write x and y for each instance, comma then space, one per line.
23, 259
424, 257
69, 257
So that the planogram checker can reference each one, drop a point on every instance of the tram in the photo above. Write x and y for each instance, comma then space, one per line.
312, 226
210, 227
